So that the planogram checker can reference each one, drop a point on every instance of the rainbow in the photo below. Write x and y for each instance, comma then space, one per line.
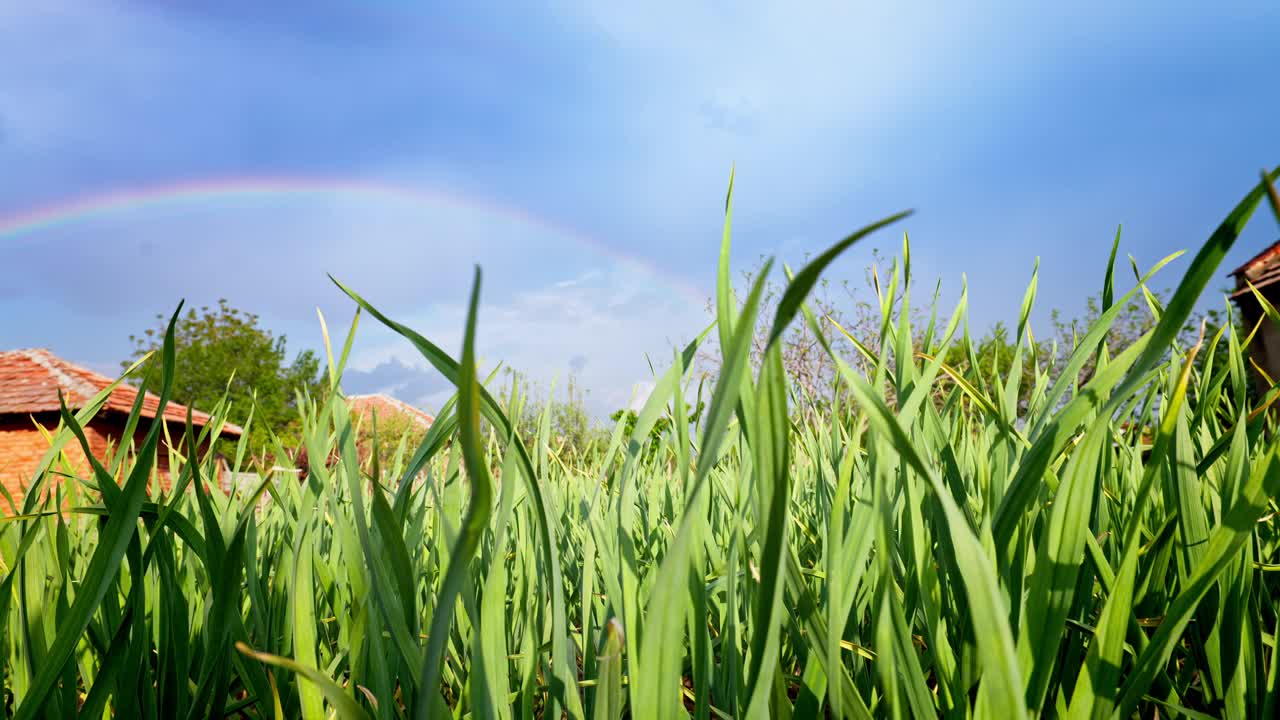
35, 221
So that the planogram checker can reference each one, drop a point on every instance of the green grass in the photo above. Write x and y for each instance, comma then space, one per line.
929, 546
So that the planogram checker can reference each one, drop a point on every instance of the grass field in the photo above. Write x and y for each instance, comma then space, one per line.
929, 546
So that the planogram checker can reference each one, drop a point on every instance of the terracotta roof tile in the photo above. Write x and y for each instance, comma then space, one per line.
30, 380
385, 405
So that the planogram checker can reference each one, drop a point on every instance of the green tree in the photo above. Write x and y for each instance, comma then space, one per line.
573, 431
220, 344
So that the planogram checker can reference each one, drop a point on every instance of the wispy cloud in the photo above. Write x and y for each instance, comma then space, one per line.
600, 332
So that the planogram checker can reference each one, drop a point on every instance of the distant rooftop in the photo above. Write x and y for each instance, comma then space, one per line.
385, 406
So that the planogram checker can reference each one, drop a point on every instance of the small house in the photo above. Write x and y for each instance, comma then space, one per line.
29, 384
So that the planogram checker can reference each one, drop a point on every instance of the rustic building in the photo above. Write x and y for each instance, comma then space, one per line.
1263, 272
29, 385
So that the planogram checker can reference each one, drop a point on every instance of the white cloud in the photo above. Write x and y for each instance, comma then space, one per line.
609, 327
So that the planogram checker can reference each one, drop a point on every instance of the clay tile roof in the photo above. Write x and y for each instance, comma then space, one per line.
385, 406
30, 379
1270, 254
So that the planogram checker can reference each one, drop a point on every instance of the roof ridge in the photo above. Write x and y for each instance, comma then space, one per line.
395, 401
55, 366
80, 384
387, 396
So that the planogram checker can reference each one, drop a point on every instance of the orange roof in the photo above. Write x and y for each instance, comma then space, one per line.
385, 406
30, 380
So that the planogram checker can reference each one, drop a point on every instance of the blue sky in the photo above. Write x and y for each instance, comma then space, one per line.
579, 151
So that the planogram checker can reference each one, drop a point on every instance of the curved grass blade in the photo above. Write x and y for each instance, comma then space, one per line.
562, 667
474, 523
343, 704
610, 699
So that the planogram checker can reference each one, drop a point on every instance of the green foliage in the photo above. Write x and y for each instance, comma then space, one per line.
930, 548
572, 431
628, 418
392, 432
223, 350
